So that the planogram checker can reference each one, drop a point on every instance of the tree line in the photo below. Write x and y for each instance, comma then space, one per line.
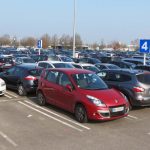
65, 41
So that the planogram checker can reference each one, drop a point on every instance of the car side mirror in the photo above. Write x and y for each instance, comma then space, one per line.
6, 73
69, 87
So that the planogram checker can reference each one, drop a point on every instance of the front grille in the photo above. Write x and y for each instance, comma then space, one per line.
118, 113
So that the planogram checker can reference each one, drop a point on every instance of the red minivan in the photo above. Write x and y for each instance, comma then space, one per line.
81, 92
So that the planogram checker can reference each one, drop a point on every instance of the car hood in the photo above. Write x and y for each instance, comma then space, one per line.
110, 97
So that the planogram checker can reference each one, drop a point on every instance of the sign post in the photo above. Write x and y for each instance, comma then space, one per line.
144, 48
39, 45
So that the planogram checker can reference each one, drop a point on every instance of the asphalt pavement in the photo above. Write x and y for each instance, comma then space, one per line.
26, 126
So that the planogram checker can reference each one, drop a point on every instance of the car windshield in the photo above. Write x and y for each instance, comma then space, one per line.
28, 60
35, 72
63, 65
91, 68
113, 67
89, 81
144, 78
66, 59
53, 58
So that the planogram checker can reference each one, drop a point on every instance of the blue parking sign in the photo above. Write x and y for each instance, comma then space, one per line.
39, 43
144, 46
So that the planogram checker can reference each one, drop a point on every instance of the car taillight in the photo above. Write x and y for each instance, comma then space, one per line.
1, 64
30, 78
138, 89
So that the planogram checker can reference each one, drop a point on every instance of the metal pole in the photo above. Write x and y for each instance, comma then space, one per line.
74, 30
144, 62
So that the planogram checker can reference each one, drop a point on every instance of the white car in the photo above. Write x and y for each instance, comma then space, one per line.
86, 66
54, 64
2, 87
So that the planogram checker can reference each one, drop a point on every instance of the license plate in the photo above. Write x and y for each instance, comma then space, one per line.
117, 109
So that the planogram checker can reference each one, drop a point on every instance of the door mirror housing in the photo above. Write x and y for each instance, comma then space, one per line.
69, 87
6, 73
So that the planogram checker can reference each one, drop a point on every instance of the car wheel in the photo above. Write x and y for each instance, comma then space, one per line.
21, 90
130, 106
80, 114
128, 98
41, 99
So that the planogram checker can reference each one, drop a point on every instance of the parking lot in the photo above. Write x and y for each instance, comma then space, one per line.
27, 126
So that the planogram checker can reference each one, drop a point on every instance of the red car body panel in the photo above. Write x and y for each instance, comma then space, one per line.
60, 96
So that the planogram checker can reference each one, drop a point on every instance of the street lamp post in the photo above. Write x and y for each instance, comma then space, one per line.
74, 30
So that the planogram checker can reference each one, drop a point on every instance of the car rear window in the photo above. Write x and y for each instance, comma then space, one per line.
144, 78
35, 72
28, 60
62, 65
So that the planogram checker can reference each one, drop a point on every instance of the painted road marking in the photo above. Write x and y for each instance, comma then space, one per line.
132, 117
8, 139
8, 96
1, 101
11, 94
85, 127
49, 116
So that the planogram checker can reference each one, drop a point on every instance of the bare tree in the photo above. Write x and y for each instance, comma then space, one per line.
29, 41
54, 41
46, 41
135, 43
5, 40
78, 41
65, 41
102, 45
95, 45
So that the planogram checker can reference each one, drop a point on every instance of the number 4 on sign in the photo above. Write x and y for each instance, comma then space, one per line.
145, 46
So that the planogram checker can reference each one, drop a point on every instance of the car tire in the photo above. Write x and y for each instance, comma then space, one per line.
130, 105
21, 90
41, 99
81, 114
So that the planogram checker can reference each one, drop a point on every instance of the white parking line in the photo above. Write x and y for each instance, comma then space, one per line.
85, 127
1, 101
60, 121
8, 96
148, 133
11, 94
132, 117
128, 118
8, 139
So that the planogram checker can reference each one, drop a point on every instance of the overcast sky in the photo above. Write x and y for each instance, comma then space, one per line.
122, 20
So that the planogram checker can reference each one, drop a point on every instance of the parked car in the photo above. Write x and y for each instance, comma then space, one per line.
123, 64
143, 67
2, 87
23, 78
134, 84
136, 61
38, 58
64, 58
89, 60
86, 66
54, 64
102, 66
20, 60
81, 92
6, 62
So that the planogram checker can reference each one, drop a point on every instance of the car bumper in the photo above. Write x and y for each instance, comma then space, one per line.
144, 101
107, 113
30, 89
2, 90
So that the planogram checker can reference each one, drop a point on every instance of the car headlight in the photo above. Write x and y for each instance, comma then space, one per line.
124, 97
96, 101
